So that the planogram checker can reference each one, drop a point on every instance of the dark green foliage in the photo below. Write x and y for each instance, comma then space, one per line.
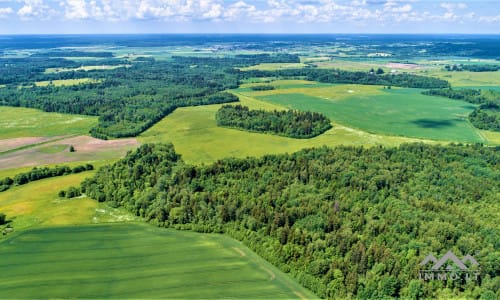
72, 192
41, 173
3, 218
343, 76
486, 116
262, 88
71, 148
472, 68
294, 124
127, 100
347, 221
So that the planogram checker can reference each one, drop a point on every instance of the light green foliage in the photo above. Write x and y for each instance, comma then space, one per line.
136, 261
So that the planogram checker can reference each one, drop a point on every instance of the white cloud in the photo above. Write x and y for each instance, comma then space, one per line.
76, 9
35, 9
4, 11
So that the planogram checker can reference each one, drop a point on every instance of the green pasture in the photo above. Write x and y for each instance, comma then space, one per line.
37, 204
399, 112
136, 261
26, 122
196, 136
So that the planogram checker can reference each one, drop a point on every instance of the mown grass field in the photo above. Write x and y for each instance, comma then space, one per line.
26, 122
400, 112
136, 261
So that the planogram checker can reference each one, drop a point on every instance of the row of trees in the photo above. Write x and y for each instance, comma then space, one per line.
41, 173
343, 76
290, 123
472, 68
487, 115
345, 221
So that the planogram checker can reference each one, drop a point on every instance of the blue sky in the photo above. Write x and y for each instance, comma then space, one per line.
248, 16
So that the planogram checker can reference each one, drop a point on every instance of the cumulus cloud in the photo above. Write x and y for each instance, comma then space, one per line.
249, 11
4, 11
35, 9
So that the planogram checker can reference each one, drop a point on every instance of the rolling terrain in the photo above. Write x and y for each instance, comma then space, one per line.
136, 261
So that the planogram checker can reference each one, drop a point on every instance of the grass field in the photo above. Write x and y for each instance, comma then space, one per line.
26, 122
65, 82
136, 261
196, 136
36, 203
400, 112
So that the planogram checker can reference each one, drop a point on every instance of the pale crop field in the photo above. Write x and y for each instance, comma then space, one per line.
27, 122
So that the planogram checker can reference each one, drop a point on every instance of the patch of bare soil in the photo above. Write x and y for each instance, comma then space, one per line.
404, 66
9, 144
86, 149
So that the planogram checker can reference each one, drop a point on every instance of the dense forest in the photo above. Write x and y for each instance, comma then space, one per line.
487, 115
134, 96
345, 221
343, 76
290, 123
128, 100
41, 173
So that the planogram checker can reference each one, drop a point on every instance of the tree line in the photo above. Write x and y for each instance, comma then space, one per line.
345, 221
487, 115
289, 123
472, 68
41, 173
356, 77
128, 100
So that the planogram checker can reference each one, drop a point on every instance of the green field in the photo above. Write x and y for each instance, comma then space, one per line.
26, 122
135, 261
36, 203
196, 136
399, 112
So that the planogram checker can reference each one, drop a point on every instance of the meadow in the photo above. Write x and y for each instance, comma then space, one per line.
399, 112
136, 261
26, 122
196, 136
37, 204
84, 68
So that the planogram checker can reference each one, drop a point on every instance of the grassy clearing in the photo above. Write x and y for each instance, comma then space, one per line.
136, 261
468, 79
37, 203
66, 82
400, 112
26, 122
195, 134
84, 68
